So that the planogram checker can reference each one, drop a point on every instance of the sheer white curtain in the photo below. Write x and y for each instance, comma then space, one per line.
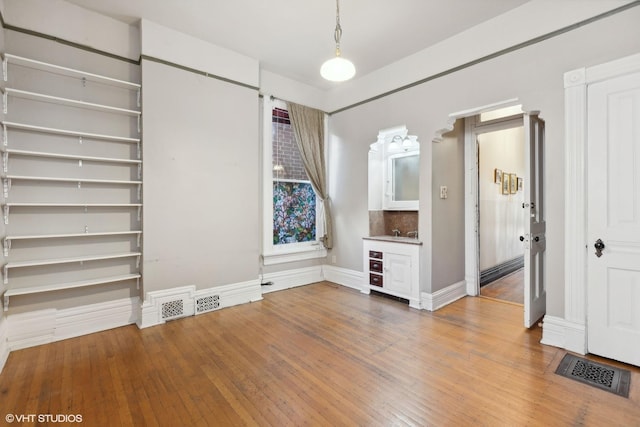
308, 126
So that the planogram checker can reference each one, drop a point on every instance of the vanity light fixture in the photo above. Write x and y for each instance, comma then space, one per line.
398, 143
338, 69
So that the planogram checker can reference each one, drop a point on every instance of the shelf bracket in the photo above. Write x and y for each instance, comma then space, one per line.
5, 138
5, 67
138, 261
138, 100
138, 283
5, 108
6, 303
139, 150
139, 192
6, 214
139, 238
5, 276
80, 140
138, 123
6, 246
139, 213
139, 170
79, 185
5, 162
6, 186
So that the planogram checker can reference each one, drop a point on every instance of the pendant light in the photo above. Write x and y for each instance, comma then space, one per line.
338, 69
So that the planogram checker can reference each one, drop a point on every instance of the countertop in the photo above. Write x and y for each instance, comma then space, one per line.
399, 239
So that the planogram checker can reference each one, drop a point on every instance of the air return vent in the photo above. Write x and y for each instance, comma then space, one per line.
172, 309
207, 303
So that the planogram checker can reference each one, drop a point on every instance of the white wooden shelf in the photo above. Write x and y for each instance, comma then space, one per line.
6, 181
65, 71
68, 156
18, 93
7, 206
55, 131
69, 285
54, 261
8, 239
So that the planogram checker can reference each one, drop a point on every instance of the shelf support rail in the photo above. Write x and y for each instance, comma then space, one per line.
5, 137
6, 186
6, 303
5, 162
6, 246
5, 75
6, 214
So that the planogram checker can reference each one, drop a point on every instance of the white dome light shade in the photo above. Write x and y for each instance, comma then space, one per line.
338, 69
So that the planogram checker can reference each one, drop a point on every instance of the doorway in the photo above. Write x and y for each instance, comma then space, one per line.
532, 237
501, 169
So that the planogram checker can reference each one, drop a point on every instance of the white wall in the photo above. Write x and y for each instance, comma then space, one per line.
533, 74
201, 192
501, 215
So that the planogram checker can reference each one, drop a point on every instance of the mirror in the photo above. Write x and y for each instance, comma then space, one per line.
394, 165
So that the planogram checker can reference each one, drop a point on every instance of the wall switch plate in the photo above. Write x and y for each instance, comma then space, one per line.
443, 192
333, 259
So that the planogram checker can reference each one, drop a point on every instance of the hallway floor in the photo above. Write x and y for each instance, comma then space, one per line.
508, 288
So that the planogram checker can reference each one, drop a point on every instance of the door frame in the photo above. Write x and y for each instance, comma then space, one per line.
570, 332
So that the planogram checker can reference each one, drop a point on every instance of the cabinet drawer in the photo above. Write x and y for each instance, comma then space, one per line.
375, 254
375, 279
375, 265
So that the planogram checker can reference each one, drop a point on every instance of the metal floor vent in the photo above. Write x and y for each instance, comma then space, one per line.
172, 309
604, 377
208, 303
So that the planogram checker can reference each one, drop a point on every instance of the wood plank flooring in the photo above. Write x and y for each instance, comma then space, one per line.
316, 355
508, 288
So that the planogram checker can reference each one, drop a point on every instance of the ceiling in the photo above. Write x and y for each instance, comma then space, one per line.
293, 38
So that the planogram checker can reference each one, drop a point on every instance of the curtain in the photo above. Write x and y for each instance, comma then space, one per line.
308, 126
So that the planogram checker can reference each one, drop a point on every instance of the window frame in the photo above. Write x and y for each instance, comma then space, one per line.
289, 252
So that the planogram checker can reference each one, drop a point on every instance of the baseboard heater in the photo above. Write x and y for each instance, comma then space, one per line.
496, 272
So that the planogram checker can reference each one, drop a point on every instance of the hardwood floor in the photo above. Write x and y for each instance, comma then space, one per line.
316, 355
508, 288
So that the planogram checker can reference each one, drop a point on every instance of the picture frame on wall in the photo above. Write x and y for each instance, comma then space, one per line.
497, 176
513, 183
505, 183
520, 184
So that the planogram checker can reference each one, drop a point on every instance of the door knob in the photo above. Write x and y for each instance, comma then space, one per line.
522, 238
537, 238
599, 245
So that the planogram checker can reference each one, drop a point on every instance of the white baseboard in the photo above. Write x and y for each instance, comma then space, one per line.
439, 299
169, 304
343, 276
562, 333
4, 348
292, 278
50, 325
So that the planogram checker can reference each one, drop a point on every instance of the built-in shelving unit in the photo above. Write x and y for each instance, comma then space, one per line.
39, 162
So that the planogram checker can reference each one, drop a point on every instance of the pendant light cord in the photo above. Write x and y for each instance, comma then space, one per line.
337, 35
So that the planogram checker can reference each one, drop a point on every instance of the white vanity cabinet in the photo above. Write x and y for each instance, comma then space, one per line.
391, 266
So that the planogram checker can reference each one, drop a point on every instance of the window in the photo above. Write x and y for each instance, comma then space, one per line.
292, 218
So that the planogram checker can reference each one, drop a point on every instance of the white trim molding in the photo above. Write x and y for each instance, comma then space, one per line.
4, 348
46, 326
343, 276
445, 296
282, 280
175, 303
562, 333
576, 83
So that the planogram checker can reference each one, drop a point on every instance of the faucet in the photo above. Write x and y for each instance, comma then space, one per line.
412, 233
395, 232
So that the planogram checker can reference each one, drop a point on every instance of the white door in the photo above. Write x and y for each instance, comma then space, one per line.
613, 219
535, 296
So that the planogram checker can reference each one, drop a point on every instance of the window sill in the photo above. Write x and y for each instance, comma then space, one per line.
294, 254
